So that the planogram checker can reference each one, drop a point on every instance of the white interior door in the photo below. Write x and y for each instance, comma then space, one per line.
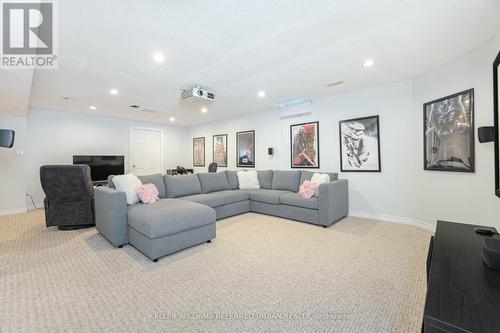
146, 151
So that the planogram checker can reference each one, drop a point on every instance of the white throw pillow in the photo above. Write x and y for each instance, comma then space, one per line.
318, 179
129, 184
248, 180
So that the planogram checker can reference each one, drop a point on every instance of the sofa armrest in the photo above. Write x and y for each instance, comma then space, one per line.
333, 201
111, 215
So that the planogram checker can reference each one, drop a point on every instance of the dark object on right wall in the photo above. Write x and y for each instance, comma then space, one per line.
212, 167
486, 134
69, 201
270, 151
7, 138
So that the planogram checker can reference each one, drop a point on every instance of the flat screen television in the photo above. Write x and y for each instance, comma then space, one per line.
102, 166
496, 103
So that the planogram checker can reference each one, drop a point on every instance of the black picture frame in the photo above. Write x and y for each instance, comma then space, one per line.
342, 147
472, 166
239, 163
294, 165
224, 136
202, 138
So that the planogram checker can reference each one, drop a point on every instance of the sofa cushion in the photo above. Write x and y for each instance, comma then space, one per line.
295, 199
168, 216
209, 199
181, 186
213, 182
265, 179
286, 180
232, 179
232, 196
156, 180
307, 175
267, 196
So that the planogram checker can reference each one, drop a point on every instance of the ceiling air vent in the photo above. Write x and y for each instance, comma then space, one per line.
149, 110
333, 84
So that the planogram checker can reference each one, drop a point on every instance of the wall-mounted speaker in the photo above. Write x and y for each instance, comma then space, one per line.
7, 138
270, 151
486, 134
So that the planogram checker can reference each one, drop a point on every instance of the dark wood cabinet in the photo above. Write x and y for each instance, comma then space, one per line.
463, 294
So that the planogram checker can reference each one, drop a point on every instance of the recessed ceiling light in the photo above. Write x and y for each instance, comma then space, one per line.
92, 107
262, 94
204, 110
158, 57
113, 92
172, 119
369, 63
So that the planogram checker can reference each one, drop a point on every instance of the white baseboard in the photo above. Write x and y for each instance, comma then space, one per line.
12, 211
394, 219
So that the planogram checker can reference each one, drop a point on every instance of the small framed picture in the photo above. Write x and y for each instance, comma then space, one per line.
360, 144
245, 145
219, 145
304, 145
199, 152
449, 133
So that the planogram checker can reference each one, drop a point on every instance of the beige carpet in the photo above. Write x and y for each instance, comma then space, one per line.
261, 274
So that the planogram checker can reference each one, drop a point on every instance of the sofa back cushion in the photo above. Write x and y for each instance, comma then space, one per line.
286, 180
307, 175
265, 179
181, 186
157, 181
232, 179
213, 182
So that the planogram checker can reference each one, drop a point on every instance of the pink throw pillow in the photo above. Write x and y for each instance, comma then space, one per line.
148, 193
307, 189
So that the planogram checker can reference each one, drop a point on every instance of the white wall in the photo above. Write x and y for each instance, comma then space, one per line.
12, 177
403, 191
54, 137
370, 193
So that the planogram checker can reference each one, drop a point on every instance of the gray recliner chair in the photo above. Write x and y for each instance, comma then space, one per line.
69, 201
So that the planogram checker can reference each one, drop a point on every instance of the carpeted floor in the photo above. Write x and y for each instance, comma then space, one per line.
261, 274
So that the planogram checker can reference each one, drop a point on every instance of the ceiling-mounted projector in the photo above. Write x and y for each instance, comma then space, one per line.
198, 94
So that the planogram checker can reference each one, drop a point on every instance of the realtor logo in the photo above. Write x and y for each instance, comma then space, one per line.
28, 34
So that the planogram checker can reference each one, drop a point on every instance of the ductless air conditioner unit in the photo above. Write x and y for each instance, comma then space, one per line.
294, 108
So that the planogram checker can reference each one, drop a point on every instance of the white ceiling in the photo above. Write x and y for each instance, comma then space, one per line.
288, 48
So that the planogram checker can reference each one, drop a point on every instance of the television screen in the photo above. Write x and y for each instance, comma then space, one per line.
102, 166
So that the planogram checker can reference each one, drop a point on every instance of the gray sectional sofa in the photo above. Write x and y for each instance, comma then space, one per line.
189, 205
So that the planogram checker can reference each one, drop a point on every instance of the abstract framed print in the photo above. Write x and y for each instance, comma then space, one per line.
304, 145
245, 149
219, 145
360, 144
449, 133
199, 152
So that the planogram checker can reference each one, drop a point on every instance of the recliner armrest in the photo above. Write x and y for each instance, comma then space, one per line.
111, 215
333, 201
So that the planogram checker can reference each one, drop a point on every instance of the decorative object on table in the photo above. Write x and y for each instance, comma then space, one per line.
69, 201
245, 149
491, 253
449, 133
360, 144
179, 171
304, 145
199, 152
148, 193
7, 138
212, 167
219, 144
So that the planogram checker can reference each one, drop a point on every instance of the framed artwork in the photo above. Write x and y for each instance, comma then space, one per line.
199, 152
304, 145
219, 144
245, 149
449, 133
360, 144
